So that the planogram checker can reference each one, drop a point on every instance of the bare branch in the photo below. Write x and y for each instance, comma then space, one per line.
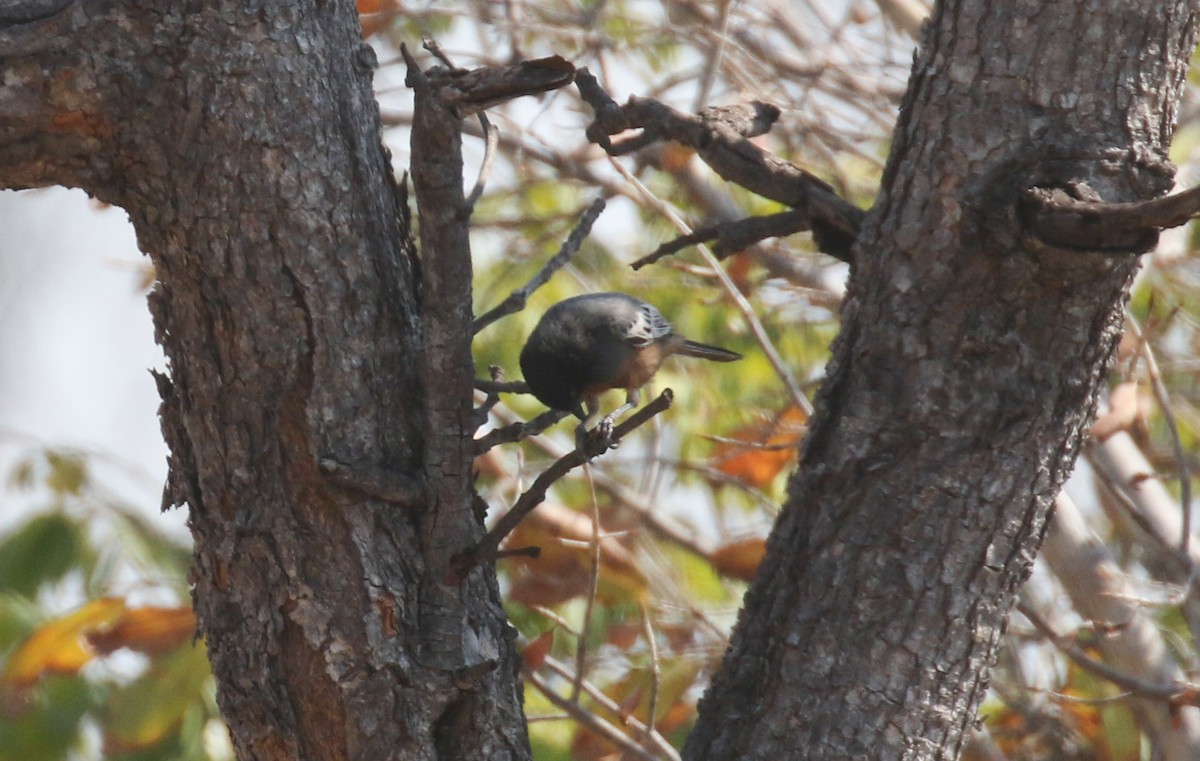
518, 431
756, 328
1175, 693
501, 386
719, 138
655, 673
1181, 460
491, 139
492, 389
515, 301
1089, 224
581, 644
466, 92
607, 703
733, 237
536, 493
588, 719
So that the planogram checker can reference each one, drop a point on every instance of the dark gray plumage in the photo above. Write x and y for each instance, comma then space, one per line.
586, 345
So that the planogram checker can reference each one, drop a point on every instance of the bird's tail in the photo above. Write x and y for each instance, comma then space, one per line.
705, 351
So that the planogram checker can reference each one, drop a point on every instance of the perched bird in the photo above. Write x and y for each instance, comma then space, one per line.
586, 345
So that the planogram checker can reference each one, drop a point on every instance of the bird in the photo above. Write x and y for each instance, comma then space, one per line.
586, 345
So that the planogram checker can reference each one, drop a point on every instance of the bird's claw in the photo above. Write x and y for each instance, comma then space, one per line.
601, 435
605, 430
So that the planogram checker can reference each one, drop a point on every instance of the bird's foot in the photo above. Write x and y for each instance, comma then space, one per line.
598, 440
604, 430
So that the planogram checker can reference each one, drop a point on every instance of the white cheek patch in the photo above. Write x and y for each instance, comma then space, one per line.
648, 327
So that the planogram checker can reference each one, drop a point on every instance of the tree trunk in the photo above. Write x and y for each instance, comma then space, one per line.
960, 387
244, 141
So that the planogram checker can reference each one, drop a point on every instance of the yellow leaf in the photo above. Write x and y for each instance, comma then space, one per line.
60, 647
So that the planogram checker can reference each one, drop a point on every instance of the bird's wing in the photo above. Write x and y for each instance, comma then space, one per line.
649, 326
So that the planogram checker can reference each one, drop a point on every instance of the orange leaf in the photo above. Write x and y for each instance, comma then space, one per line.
768, 448
60, 647
738, 268
535, 652
376, 14
150, 630
675, 157
623, 635
740, 560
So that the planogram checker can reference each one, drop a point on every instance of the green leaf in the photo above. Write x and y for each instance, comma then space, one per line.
151, 709
43, 550
50, 728
19, 615
143, 543
68, 472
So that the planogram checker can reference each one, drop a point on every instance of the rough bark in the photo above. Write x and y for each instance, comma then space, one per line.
959, 389
244, 141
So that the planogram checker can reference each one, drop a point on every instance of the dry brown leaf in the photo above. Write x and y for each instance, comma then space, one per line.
739, 560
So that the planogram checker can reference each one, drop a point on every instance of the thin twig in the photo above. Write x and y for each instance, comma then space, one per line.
492, 397
1181, 461
494, 385
436, 51
655, 673
603, 728
608, 704
518, 431
593, 585
760, 334
536, 493
653, 520
491, 139
709, 76
1173, 693
736, 236
557, 619
515, 301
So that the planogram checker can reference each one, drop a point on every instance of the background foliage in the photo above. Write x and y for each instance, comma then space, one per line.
645, 555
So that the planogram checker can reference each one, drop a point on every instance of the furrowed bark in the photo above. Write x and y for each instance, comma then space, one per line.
959, 389
244, 141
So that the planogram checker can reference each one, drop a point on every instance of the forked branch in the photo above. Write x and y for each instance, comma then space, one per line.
486, 548
720, 137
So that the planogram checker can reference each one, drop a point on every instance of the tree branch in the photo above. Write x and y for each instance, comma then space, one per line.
515, 301
1175, 693
592, 447
1089, 224
465, 92
719, 137
518, 431
733, 237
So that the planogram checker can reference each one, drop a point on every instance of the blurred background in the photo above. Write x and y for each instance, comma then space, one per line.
643, 566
